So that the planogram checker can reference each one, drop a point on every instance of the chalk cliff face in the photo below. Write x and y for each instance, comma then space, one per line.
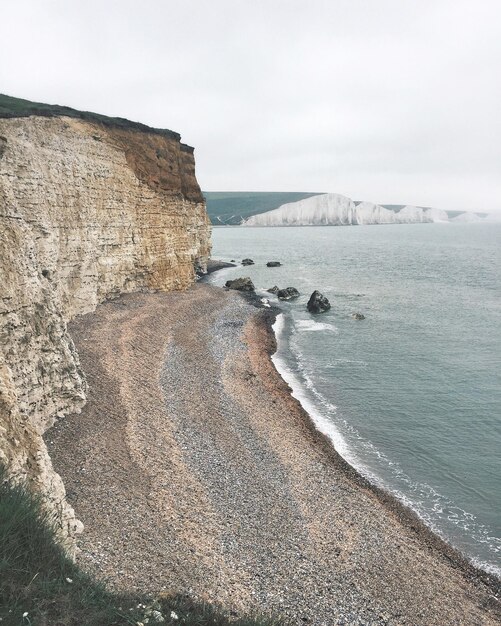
468, 218
333, 209
87, 212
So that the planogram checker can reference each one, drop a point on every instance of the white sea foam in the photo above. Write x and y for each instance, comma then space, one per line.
487, 567
312, 326
340, 362
325, 426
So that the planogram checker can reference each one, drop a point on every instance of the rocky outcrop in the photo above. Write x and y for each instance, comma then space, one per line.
289, 293
214, 265
273, 264
87, 211
240, 284
318, 303
247, 262
358, 316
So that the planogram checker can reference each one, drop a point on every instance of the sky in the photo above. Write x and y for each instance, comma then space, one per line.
390, 101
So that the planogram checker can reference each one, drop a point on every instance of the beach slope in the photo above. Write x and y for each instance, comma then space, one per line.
195, 471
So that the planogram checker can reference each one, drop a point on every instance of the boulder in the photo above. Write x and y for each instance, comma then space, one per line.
240, 284
213, 265
289, 293
358, 316
273, 264
247, 262
274, 290
318, 303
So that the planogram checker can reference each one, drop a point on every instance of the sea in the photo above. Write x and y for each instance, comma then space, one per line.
410, 395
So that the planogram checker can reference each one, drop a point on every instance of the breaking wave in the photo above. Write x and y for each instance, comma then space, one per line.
312, 326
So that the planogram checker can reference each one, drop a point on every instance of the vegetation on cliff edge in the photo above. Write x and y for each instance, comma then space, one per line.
40, 586
17, 107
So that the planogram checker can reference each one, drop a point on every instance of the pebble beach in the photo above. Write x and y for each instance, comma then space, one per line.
195, 471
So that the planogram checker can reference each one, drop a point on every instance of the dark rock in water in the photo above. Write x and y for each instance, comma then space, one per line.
213, 265
289, 293
274, 289
273, 264
240, 284
318, 303
232, 261
247, 262
358, 316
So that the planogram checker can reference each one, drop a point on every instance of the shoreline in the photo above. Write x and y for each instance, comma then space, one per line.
194, 470
405, 513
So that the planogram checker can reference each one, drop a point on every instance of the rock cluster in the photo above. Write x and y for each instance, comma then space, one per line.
240, 284
289, 293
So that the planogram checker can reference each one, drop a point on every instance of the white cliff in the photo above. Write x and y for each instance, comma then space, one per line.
333, 209
468, 218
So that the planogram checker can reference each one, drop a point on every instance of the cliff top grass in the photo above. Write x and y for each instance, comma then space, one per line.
17, 107
40, 585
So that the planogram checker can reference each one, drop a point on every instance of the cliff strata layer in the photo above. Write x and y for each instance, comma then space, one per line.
87, 211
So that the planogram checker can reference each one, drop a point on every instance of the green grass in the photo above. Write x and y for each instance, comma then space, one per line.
40, 586
232, 207
17, 107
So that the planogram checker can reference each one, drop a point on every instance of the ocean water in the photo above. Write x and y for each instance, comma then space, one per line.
411, 396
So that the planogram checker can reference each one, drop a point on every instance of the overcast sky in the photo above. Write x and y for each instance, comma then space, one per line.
393, 101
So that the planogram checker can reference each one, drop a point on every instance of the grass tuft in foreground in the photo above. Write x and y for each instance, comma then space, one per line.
40, 586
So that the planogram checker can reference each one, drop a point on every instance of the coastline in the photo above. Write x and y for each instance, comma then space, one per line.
290, 367
405, 512
338, 547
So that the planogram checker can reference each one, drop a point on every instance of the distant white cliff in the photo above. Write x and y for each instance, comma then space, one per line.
333, 209
468, 217
493, 217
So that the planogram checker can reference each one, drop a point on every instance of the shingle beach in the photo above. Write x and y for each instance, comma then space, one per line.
195, 471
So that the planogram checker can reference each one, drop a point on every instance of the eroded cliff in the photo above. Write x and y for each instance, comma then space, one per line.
88, 211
